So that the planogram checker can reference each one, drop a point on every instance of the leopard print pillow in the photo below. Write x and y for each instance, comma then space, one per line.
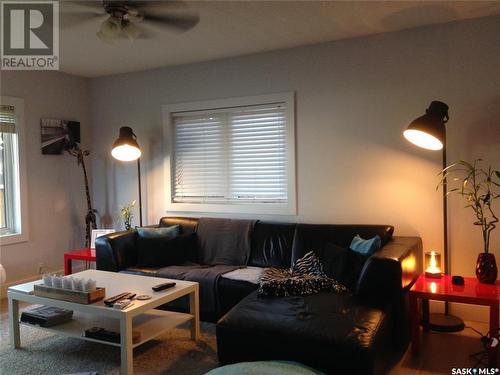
304, 278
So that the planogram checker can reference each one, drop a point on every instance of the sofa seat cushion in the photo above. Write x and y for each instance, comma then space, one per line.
249, 274
327, 331
231, 292
206, 276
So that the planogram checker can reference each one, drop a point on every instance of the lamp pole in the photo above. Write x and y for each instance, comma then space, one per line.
140, 191
445, 220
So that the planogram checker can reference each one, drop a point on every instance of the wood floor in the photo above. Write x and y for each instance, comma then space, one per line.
440, 352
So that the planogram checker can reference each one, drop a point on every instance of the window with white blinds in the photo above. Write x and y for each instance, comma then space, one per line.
7, 166
233, 155
13, 217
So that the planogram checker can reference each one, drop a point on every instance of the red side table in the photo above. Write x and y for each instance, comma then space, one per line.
87, 255
472, 292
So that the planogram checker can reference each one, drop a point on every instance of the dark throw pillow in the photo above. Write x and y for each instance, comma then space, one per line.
341, 264
162, 252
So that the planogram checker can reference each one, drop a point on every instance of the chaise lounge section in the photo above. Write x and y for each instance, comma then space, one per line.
354, 332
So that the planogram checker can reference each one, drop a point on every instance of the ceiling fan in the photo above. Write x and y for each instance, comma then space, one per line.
127, 18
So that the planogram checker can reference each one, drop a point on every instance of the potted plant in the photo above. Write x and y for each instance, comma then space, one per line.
479, 187
127, 215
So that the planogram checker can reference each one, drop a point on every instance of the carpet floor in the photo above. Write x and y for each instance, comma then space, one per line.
44, 352
174, 353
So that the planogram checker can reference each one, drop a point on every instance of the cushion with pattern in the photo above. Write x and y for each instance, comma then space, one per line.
304, 278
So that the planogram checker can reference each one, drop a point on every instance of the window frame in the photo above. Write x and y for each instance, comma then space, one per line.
288, 208
19, 210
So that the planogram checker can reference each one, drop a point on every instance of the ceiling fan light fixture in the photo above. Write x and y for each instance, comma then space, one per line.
110, 28
134, 18
132, 31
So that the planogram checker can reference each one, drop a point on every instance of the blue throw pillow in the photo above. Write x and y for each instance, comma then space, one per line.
366, 247
163, 232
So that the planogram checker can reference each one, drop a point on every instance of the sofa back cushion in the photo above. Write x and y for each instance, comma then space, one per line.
272, 244
313, 237
224, 241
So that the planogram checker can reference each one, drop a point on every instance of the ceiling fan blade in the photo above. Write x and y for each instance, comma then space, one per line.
72, 19
94, 5
146, 5
177, 22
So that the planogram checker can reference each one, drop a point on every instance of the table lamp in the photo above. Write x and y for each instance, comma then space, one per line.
432, 264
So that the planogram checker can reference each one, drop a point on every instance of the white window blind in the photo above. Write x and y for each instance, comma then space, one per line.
231, 155
7, 119
8, 168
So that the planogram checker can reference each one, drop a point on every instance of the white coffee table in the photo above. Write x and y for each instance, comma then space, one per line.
141, 316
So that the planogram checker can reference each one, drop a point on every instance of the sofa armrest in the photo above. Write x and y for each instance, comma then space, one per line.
391, 270
116, 251
408, 252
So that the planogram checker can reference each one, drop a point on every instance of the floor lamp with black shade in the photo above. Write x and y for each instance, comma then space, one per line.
429, 132
126, 148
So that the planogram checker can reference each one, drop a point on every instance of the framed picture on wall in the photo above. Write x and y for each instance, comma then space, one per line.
98, 233
59, 135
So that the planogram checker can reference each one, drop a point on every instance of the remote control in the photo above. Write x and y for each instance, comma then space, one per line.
160, 287
122, 304
111, 300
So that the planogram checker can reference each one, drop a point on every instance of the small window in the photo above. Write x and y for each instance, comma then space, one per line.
234, 155
12, 191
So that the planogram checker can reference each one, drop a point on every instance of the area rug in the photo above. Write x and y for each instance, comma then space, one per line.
44, 352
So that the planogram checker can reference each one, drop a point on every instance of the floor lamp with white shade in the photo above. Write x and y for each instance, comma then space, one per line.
429, 132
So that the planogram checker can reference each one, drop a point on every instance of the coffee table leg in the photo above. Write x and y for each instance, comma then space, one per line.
15, 337
127, 354
194, 309
494, 317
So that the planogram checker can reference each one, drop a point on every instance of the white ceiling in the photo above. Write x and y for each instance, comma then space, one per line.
234, 28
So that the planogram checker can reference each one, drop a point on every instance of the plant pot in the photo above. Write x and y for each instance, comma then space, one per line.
486, 268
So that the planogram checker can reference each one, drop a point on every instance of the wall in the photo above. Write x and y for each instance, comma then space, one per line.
56, 195
354, 98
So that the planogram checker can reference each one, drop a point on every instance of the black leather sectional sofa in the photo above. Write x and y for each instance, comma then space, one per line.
357, 333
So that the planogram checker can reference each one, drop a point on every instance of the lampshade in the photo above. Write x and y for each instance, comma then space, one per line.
428, 131
110, 29
125, 147
3, 275
132, 31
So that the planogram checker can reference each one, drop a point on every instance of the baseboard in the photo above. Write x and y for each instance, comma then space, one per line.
5, 286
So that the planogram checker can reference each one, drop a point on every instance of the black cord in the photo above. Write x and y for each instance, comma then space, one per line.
480, 356
483, 337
